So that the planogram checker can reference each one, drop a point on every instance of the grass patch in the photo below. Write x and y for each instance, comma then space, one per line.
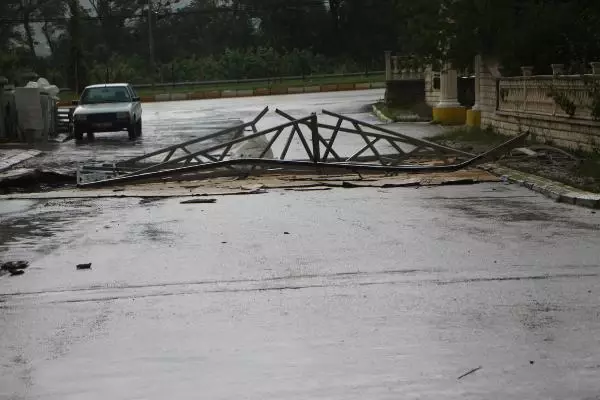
583, 175
243, 85
419, 112
590, 167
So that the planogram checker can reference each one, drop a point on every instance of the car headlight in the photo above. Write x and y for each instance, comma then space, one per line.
122, 115
80, 117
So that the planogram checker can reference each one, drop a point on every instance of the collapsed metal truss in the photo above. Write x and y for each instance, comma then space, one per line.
348, 144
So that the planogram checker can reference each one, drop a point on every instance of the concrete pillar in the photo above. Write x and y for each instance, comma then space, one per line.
527, 70
396, 70
449, 111
3, 82
448, 88
388, 66
478, 66
474, 114
557, 69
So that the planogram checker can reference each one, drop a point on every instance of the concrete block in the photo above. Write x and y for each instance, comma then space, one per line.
197, 96
345, 86
279, 90
568, 198
229, 93
377, 85
588, 200
262, 92
147, 99
312, 89
329, 88
450, 115
295, 90
212, 94
179, 96
162, 97
245, 93
362, 86
473, 118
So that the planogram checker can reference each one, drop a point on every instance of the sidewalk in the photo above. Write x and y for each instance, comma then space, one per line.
549, 188
12, 157
560, 192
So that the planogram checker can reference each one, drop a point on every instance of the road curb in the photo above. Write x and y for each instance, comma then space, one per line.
407, 118
381, 115
554, 190
231, 93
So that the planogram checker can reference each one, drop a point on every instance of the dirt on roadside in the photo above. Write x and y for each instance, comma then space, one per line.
580, 170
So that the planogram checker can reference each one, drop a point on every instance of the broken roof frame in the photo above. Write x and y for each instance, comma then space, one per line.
319, 150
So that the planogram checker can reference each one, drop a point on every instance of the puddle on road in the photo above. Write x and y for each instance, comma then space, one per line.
508, 210
14, 207
35, 227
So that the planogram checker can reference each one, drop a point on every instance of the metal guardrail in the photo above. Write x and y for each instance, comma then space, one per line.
254, 80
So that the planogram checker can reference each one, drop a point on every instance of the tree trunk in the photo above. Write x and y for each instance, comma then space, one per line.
29, 35
47, 31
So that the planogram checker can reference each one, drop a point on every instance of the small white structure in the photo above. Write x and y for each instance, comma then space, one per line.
36, 110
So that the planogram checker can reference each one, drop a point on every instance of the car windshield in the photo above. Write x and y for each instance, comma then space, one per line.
105, 95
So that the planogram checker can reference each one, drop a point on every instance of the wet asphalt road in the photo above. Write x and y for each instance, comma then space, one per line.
170, 123
372, 294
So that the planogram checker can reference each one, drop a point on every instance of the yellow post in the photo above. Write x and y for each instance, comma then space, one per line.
449, 111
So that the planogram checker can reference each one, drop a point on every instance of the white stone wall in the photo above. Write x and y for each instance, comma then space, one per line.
572, 133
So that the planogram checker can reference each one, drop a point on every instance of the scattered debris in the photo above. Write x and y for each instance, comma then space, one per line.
469, 373
147, 200
350, 185
459, 182
179, 162
17, 272
223, 242
310, 189
84, 266
286, 233
253, 188
524, 151
199, 201
531, 362
14, 266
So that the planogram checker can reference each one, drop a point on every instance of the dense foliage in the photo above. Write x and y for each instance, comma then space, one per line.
235, 39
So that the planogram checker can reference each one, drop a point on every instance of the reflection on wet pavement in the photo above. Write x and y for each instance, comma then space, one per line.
170, 123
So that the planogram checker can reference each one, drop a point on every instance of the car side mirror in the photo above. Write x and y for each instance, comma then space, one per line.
74, 102
136, 99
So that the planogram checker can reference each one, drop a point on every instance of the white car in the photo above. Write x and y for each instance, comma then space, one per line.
110, 107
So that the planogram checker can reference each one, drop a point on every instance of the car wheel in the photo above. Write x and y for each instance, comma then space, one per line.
78, 133
139, 128
132, 131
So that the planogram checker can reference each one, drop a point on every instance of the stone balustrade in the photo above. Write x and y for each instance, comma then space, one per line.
543, 95
400, 68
